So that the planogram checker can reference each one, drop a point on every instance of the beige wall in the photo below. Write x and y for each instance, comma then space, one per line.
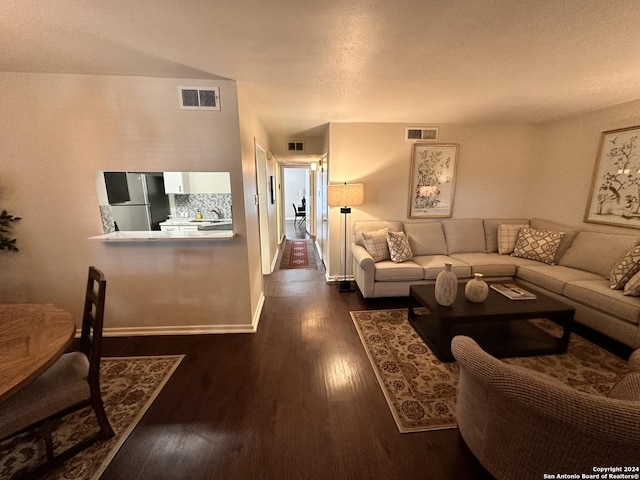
252, 132
567, 156
56, 131
494, 168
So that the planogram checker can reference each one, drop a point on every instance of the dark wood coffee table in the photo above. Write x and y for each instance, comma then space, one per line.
499, 324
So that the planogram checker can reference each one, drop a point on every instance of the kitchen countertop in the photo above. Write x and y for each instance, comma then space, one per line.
158, 236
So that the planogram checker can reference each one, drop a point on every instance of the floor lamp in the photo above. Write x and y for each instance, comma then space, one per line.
345, 196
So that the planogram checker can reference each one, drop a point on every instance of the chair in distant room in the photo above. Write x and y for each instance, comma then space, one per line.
301, 215
70, 384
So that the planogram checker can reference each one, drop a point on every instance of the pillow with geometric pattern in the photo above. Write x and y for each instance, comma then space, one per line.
375, 243
540, 245
399, 247
626, 268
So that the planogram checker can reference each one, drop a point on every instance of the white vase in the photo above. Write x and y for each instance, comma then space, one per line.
446, 287
476, 290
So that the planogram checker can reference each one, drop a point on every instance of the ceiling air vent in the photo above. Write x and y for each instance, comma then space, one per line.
199, 98
295, 146
421, 134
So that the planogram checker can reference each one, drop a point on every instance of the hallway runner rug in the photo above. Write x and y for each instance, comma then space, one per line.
129, 386
296, 255
421, 391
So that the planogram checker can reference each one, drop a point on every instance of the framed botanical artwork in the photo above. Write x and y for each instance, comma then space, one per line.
615, 187
433, 180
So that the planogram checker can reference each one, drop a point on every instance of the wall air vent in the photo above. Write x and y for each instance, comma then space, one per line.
199, 98
295, 146
421, 134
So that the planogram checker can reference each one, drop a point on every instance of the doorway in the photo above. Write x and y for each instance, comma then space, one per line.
295, 193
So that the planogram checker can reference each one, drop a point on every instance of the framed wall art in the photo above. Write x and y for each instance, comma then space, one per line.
433, 178
615, 187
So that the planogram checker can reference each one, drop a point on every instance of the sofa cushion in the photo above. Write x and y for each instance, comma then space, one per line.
464, 235
388, 271
376, 244
371, 225
553, 277
507, 237
625, 269
598, 295
434, 264
567, 240
491, 230
426, 238
540, 245
399, 248
598, 252
488, 264
632, 287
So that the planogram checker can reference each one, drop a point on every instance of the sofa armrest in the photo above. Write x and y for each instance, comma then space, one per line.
363, 258
364, 270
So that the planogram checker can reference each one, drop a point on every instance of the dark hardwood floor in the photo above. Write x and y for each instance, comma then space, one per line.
296, 400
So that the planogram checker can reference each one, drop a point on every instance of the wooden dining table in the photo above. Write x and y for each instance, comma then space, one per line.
32, 338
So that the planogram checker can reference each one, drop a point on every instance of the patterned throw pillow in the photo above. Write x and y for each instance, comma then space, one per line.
376, 244
626, 268
632, 287
507, 236
540, 245
399, 247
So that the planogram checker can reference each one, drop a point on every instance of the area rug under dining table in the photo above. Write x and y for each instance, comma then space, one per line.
421, 390
129, 386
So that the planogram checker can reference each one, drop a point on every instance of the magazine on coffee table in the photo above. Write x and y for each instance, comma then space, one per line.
513, 291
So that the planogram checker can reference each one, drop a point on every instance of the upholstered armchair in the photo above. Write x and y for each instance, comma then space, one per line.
522, 424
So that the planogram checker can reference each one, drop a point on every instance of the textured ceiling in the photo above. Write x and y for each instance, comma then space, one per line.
303, 64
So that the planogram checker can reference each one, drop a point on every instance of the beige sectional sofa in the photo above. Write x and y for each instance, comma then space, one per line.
579, 276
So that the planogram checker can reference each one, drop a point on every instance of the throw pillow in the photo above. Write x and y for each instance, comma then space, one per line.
540, 245
632, 286
507, 236
399, 247
626, 268
376, 244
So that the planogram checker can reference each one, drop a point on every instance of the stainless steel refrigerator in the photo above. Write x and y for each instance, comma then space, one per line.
138, 200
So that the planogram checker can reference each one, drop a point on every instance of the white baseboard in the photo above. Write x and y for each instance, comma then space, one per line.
176, 330
257, 313
186, 329
275, 259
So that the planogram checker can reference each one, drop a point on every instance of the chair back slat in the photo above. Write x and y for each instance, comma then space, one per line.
92, 321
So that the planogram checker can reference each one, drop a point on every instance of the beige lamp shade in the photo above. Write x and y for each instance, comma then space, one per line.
345, 195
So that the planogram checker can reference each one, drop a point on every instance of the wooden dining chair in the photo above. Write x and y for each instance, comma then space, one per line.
70, 384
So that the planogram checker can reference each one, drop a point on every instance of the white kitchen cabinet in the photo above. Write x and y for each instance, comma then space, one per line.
179, 228
209, 182
176, 182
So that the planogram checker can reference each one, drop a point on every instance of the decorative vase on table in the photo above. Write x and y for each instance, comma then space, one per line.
446, 287
476, 290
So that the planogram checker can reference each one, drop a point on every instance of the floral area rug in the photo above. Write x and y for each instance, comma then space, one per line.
421, 390
296, 255
129, 386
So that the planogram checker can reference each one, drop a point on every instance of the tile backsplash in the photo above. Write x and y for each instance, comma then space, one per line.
188, 205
